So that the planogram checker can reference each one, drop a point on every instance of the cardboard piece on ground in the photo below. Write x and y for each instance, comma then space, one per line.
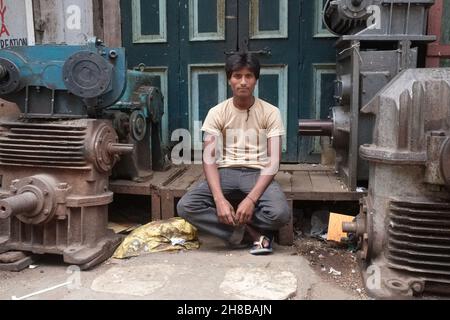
335, 232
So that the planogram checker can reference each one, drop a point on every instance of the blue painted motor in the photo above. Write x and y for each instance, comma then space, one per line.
60, 81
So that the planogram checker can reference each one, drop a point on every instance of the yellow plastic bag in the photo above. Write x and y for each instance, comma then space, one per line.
157, 236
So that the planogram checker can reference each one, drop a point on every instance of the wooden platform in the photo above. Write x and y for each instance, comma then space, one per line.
299, 182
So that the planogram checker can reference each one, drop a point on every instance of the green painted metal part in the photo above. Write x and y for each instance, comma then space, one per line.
62, 81
137, 119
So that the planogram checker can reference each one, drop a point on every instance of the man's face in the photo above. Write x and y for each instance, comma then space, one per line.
242, 83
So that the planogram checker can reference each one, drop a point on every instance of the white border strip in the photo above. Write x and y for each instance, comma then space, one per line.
30, 22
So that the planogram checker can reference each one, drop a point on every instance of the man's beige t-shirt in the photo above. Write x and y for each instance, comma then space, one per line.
243, 133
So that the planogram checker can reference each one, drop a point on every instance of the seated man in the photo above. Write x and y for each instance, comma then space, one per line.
242, 151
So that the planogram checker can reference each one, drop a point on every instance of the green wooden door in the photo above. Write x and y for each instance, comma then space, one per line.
207, 30
317, 73
150, 34
271, 29
184, 43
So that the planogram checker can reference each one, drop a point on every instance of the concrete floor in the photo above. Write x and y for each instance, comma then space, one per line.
203, 274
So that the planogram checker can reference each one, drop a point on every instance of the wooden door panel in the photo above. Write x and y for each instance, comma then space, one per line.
317, 74
149, 21
273, 33
268, 19
151, 38
207, 31
272, 87
207, 20
207, 87
184, 42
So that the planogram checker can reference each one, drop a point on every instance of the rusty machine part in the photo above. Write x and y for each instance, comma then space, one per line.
315, 127
403, 229
378, 39
56, 153
55, 188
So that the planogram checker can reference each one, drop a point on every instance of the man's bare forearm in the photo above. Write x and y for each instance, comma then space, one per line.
210, 167
261, 185
271, 169
213, 178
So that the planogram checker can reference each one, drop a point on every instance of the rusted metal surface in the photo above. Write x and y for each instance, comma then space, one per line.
8, 110
81, 117
403, 228
64, 210
22, 203
311, 127
16, 261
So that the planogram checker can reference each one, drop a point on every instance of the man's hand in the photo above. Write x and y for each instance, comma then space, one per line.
244, 212
225, 212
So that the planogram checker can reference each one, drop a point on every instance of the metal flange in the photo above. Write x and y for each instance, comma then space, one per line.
138, 125
9, 77
44, 199
87, 74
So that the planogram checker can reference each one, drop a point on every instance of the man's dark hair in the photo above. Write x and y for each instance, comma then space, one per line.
238, 61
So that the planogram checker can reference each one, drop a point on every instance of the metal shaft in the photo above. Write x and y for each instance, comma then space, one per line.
312, 127
120, 148
349, 227
24, 202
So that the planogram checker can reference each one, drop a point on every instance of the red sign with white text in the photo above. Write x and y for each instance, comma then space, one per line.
13, 19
